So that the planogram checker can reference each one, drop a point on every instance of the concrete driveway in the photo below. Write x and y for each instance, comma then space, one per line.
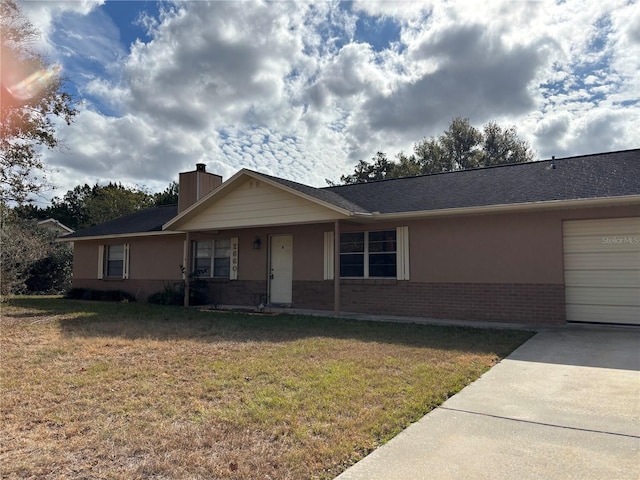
565, 405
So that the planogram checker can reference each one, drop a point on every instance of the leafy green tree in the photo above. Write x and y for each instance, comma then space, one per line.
460, 147
85, 206
461, 143
71, 209
378, 169
30, 260
405, 167
31, 95
502, 146
169, 196
113, 201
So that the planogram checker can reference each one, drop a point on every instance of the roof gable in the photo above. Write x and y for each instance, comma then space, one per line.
252, 199
55, 225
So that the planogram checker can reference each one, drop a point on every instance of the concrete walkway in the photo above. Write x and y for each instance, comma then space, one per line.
565, 405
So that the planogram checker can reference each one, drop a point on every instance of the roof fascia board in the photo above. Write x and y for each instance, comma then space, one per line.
65, 239
229, 183
515, 207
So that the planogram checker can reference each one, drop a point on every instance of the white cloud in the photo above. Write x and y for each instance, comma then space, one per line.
42, 14
285, 87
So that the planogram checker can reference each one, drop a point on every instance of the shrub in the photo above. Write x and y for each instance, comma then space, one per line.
100, 295
51, 274
30, 259
173, 294
169, 296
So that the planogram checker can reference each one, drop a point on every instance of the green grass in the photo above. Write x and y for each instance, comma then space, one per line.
109, 390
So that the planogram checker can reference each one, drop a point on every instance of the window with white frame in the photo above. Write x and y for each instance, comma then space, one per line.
212, 258
368, 254
115, 261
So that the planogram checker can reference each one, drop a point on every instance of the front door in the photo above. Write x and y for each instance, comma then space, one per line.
280, 269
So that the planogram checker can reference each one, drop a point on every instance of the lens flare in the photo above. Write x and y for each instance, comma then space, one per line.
32, 85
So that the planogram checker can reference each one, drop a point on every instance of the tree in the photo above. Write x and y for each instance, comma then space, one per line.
503, 146
30, 260
460, 147
113, 201
169, 196
379, 169
31, 94
71, 209
85, 206
405, 167
461, 143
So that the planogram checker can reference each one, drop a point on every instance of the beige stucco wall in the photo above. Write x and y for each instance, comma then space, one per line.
524, 248
308, 252
152, 258
491, 248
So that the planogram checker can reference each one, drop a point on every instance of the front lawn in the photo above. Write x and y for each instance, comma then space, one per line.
124, 391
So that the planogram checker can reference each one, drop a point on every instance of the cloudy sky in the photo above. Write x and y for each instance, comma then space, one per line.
304, 91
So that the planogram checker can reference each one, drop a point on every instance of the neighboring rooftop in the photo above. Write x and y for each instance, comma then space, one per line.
56, 226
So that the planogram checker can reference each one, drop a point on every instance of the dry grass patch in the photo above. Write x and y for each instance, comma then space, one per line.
121, 391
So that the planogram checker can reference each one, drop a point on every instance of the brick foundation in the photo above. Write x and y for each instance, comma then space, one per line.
492, 302
140, 289
237, 292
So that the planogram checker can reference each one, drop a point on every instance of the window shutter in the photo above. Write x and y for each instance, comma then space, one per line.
402, 253
233, 271
125, 262
328, 255
100, 262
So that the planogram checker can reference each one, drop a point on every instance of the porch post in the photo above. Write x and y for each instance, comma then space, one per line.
187, 267
336, 267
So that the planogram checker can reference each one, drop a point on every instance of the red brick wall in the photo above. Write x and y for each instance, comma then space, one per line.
316, 295
237, 292
492, 302
495, 302
140, 289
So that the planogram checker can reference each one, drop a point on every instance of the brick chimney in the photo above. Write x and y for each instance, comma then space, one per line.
194, 185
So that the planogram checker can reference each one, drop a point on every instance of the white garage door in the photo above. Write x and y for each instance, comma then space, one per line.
602, 270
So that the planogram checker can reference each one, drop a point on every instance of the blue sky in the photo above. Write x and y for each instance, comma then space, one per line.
304, 91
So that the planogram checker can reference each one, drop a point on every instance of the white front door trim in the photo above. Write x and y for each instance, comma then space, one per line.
280, 269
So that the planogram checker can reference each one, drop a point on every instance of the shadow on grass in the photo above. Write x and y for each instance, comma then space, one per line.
143, 321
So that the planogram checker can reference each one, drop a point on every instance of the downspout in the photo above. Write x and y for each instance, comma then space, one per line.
187, 268
336, 267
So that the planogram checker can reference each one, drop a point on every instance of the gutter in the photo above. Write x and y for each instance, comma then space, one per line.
510, 207
65, 239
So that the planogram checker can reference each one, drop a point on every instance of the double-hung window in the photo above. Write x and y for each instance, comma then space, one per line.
368, 254
212, 258
113, 261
